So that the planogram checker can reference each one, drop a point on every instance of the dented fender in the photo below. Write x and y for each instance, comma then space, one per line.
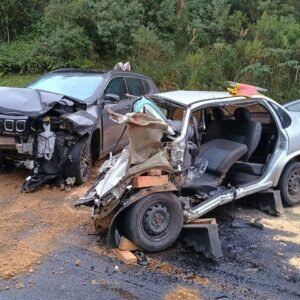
80, 122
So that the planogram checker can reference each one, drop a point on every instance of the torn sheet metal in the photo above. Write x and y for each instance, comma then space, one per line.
145, 133
141, 155
157, 161
114, 175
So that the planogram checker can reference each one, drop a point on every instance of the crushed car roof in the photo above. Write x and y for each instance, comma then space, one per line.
190, 97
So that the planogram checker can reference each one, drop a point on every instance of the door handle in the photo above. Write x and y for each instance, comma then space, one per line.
128, 106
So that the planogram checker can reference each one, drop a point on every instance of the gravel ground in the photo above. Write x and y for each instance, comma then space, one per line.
46, 252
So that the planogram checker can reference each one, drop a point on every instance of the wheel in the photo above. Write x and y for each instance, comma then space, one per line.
154, 222
290, 184
80, 166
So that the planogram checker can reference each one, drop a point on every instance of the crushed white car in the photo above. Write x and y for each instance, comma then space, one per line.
213, 147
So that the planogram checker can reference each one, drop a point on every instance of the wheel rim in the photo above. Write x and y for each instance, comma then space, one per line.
293, 187
85, 162
156, 221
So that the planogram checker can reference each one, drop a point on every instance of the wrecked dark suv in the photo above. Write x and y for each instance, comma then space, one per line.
58, 125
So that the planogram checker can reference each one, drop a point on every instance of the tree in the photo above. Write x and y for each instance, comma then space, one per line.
18, 17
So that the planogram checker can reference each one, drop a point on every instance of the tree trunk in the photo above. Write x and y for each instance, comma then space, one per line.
180, 6
7, 31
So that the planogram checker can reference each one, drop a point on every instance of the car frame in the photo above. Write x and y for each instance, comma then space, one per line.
124, 209
85, 131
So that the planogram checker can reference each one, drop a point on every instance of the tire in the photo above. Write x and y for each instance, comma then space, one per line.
154, 222
81, 162
290, 184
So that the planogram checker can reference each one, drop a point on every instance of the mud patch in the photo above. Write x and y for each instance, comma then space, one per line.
182, 293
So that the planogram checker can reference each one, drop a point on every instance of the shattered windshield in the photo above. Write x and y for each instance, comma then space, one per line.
77, 85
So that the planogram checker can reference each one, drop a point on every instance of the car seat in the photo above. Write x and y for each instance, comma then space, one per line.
240, 130
220, 155
247, 132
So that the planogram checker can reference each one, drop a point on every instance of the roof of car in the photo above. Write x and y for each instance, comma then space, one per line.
186, 98
114, 72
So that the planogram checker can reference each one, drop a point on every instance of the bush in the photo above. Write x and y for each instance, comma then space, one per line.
19, 56
67, 47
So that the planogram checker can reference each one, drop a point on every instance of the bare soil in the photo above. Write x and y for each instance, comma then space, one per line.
34, 224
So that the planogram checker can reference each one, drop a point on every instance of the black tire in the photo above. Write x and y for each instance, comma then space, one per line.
289, 184
81, 162
154, 222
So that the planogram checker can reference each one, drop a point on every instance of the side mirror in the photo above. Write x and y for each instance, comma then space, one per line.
111, 98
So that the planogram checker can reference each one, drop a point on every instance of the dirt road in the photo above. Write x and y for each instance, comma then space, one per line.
42, 236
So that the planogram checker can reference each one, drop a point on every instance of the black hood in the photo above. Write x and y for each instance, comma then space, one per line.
29, 102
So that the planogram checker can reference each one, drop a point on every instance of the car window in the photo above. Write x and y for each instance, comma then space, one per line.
77, 85
147, 86
284, 117
294, 107
135, 86
117, 86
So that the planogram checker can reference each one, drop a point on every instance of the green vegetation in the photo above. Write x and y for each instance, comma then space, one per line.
192, 44
16, 80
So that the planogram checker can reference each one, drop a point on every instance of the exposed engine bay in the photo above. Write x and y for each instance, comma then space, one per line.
38, 131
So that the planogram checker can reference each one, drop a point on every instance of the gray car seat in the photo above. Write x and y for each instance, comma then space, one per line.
241, 130
213, 130
229, 137
221, 155
249, 133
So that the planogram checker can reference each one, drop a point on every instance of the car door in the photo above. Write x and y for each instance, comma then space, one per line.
135, 87
111, 130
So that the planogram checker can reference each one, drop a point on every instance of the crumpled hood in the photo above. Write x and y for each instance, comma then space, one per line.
28, 102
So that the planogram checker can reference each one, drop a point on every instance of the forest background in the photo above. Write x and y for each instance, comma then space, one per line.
181, 44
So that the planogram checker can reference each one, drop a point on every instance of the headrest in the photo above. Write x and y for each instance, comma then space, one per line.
218, 113
242, 114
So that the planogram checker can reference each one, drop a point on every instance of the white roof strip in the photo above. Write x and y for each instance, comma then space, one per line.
190, 97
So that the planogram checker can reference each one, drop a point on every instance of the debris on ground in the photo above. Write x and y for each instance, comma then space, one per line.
126, 244
94, 282
141, 258
78, 263
243, 224
130, 253
126, 256
20, 285
116, 268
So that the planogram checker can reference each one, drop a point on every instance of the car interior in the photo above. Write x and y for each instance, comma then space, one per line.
236, 141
